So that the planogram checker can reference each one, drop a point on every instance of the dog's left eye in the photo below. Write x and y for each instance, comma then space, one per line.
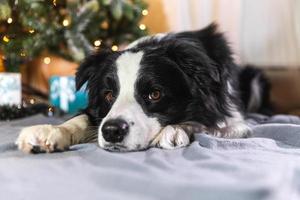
155, 95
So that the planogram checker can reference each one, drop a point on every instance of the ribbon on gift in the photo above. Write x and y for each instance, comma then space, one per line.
67, 92
63, 94
63, 88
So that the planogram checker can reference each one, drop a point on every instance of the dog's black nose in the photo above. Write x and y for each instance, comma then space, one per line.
114, 130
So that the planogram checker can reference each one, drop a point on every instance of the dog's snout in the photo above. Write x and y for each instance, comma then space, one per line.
115, 130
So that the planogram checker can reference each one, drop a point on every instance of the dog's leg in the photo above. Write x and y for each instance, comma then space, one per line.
50, 138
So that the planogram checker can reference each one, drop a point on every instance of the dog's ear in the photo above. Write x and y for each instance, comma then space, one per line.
88, 67
212, 40
193, 60
205, 58
212, 44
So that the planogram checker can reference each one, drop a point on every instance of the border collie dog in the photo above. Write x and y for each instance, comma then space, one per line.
158, 92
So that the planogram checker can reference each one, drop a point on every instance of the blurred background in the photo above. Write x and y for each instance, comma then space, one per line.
43, 41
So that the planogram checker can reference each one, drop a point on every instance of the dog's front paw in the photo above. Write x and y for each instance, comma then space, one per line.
172, 137
43, 138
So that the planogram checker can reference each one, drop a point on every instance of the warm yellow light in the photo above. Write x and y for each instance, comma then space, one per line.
47, 60
142, 26
54, 2
22, 54
145, 12
97, 43
31, 31
5, 38
32, 101
104, 25
114, 48
9, 20
66, 22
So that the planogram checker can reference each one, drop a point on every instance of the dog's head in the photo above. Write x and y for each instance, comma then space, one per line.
157, 81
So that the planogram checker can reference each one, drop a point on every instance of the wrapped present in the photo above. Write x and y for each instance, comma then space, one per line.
64, 96
10, 89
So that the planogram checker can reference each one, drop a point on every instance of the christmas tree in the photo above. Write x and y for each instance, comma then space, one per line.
69, 28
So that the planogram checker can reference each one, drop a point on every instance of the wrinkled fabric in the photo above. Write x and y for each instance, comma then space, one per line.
265, 166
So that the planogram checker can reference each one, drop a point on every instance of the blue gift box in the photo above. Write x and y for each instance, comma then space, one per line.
64, 96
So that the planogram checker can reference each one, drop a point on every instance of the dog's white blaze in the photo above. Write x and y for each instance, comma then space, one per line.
128, 66
142, 128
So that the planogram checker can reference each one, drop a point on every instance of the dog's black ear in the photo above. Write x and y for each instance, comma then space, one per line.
205, 58
88, 66
212, 43
212, 40
193, 60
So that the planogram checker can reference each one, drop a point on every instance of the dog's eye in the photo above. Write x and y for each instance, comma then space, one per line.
155, 95
109, 97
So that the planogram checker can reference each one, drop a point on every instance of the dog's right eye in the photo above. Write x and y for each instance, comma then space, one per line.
109, 97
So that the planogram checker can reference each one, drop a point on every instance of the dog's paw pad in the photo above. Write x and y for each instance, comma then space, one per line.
172, 138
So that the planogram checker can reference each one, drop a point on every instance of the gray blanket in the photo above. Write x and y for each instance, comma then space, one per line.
266, 166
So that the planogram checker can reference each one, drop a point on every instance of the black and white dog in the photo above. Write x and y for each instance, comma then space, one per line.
157, 92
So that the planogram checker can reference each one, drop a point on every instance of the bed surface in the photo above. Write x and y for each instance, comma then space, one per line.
266, 166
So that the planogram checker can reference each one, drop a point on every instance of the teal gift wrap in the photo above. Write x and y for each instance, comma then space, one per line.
64, 96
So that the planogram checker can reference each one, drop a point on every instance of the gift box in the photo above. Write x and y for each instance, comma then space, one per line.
10, 89
63, 94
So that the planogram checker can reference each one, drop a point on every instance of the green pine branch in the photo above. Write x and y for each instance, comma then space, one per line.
37, 27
